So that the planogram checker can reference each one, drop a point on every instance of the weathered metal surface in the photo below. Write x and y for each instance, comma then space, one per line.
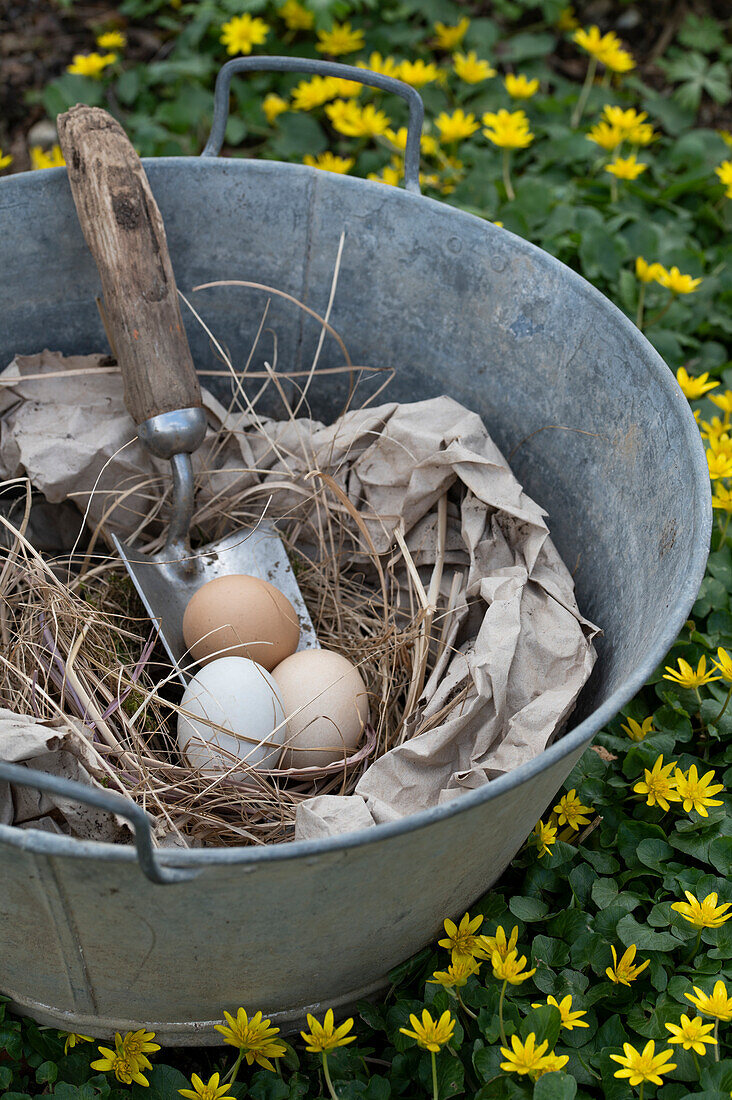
455, 305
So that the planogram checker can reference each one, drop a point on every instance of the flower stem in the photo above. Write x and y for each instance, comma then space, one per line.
695, 948
504, 1040
716, 1036
724, 531
231, 1075
326, 1074
464, 1006
718, 716
584, 94
640, 1094
696, 1063
510, 193
641, 305
613, 190
661, 313
435, 1093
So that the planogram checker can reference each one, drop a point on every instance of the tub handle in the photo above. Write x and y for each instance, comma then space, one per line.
320, 68
110, 801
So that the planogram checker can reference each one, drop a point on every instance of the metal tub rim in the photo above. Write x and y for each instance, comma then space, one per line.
196, 860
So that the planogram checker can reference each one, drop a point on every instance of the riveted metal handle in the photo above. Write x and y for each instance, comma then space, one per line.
113, 803
320, 68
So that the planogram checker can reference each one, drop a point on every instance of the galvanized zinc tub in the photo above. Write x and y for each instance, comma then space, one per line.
97, 938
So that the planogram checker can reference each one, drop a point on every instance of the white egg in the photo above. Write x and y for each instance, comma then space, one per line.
238, 695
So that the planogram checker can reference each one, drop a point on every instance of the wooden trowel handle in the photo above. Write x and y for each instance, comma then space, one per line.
125, 233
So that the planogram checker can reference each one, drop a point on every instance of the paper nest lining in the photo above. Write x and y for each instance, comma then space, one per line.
424, 497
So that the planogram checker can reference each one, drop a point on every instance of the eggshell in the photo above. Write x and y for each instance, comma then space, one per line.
240, 616
326, 704
241, 696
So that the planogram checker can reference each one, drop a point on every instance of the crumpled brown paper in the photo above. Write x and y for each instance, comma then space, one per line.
518, 650
57, 748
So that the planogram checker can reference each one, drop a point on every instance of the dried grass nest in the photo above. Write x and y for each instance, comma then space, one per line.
74, 638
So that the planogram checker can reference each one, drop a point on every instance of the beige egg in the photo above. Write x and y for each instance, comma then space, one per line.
326, 706
240, 616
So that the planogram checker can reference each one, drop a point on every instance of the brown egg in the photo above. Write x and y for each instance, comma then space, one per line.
326, 706
240, 616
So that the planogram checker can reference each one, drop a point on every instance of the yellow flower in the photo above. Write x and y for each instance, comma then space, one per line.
273, 106
471, 69
625, 168
111, 40
340, 39
570, 811
714, 430
716, 1004
687, 677
507, 129
719, 463
596, 44
324, 1037
390, 174
569, 1019
431, 1034
646, 1066
623, 119
691, 387
447, 38
312, 93
624, 972
706, 913
606, 136
295, 16
519, 86
544, 836
387, 66
255, 1038
455, 127
659, 784
692, 1034
417, 73
137, 1043
90, 64
398, 138
550, 1064
638, 731
457, 973
125, 1067
677, 283
329, 162
642, 134
462, 939
696, 792
723, 402
211, 1091
350, 118
724, 171
567, 20
488, 946
524, 1057
242, 33
648, 273
41, 159
72, 1038
618, 60
722, 499
5, 160
511, 968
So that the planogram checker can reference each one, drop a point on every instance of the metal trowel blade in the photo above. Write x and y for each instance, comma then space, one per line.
165, 586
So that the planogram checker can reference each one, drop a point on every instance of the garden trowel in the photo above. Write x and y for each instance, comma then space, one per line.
123, 227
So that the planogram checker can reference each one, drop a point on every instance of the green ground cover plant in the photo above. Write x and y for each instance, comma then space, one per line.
600, 965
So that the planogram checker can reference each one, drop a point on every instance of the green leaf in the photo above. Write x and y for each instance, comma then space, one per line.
545, 1022
720, 855
555, 1086
645, 939
528, 909
297, 135
46, 1073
